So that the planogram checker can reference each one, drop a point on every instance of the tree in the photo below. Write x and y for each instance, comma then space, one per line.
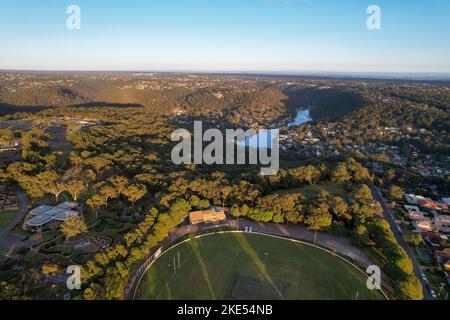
377, 208
134, 192
120, 183
395, 193
358, 172
73, 227
9, 291
49, 183
360, 236
6, 136
225, 192
179, 211
31, 185
102, 259
99, 163
318, 218
340, 208
50, 269
114, 284
409, 289
75, 188
413, 239
340, 175
294, 217
196, 202
259, 215
363, 194
235, 211
96, 202
389, 175
108, 192
76, 160
361, 212
278, 218
94, 292
399, 264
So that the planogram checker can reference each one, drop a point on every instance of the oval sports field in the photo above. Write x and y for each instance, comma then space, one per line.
251, 266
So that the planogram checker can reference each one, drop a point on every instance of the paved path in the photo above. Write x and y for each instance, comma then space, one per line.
23, 209
9, 243
387, 213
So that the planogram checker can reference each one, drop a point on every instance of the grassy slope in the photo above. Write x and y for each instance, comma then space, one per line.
209, 267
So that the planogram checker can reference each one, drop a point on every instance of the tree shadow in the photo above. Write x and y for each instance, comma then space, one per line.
325, 103
6, 108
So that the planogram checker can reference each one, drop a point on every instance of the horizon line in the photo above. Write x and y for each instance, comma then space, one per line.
356, 74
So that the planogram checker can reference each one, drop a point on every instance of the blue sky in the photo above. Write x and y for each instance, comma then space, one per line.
226, 35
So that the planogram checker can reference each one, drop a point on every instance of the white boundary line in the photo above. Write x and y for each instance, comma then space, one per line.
258, 233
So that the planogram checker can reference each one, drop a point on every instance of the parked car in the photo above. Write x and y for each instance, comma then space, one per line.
424, 277
433, 294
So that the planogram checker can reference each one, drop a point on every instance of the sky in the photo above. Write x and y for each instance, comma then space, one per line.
277, 36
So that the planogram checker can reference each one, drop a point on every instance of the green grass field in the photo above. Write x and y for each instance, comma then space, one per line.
6, 217
250, 266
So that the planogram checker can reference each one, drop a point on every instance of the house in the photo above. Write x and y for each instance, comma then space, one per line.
424, 224
411, 208
44, 214
432, 205
433, 240
40, 210
415, 215
211, 215
414, 199
443, 257
68, 205
442, 219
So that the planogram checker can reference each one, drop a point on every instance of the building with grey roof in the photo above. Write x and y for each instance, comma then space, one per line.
45, 214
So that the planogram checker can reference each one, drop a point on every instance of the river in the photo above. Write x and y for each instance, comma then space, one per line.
262, 139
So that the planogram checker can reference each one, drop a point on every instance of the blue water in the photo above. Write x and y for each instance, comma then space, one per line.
303, 116
264, 138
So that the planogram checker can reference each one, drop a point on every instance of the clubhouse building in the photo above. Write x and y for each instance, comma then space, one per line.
44, 214
211, 215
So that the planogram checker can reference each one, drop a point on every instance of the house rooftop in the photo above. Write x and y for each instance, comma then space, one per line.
40, 210
44, 214
67, 205
212, 215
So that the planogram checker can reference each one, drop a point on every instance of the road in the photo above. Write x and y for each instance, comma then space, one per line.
387, 214
23, 209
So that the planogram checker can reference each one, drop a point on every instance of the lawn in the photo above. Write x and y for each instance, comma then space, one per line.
250, 266
6, 217
310, 191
